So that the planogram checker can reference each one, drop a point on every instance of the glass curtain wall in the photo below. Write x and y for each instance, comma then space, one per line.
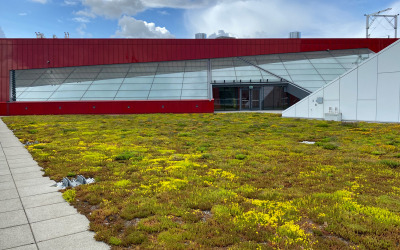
311, 70
234, 70
140, 81
179, 80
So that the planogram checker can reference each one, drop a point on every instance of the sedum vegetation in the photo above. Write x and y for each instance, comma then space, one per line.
238, 181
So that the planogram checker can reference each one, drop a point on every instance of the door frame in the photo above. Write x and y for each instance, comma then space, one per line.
251, 91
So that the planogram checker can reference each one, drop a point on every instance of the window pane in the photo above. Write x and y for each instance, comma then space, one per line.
104, 87
165, 93
108, 81
166, 86
196, 74
95, 94
73, 87
67, 94
186, 92
168, 80
135, 87
195, 80
195, 86
132, 94
139, 80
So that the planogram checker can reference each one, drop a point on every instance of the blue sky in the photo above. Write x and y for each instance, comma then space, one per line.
184, 18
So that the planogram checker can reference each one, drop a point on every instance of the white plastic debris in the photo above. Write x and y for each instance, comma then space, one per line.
73, 182
308, 142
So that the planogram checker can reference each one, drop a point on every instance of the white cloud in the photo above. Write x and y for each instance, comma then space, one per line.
22, 14
275, 18
82, 31
181, 4
129, 27
81, 19
118, 8
85, 13
2, 35
71, 2
40, 1
163, 12
114, 8
220, 33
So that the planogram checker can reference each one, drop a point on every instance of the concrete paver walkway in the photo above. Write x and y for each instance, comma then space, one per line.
33, 214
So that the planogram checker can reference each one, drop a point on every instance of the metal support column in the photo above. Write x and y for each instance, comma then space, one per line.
13, 87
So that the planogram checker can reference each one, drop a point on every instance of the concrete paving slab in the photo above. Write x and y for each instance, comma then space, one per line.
50, 229
3, 165
10, 205
20, 160
49, 212
26, 247
11, 144
5, 178
7, 185
27, 176
42, 200
8, 194
4, 172
13, 151
39, 189
25, 170
82, 240
13, 218
19, 156
11, 140
15, 236
6, 134
34, 182
23, 165
12, 161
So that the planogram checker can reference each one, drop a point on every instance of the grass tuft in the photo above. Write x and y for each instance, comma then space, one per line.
390, 163
69, 195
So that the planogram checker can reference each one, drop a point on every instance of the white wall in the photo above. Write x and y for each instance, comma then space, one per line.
369, 92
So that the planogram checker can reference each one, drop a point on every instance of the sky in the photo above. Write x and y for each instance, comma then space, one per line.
184, 18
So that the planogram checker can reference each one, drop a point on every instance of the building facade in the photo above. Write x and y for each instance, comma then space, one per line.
72, 76
368, 92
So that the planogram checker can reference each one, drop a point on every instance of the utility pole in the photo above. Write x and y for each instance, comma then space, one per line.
392, 20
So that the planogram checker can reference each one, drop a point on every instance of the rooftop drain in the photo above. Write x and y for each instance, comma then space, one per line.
73, 182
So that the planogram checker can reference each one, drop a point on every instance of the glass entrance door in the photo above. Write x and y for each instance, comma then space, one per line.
250, 98
244, 99
255, 98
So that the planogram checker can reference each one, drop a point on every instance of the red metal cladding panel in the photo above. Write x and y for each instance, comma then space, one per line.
3, 67
86, 54
81, 55
3, 108
14, 55
50, 55
57, 55
40, 56
106, 51
114, 53
24, 59
107, 107
34, 53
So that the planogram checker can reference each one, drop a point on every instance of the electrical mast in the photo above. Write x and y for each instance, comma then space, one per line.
392, 20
